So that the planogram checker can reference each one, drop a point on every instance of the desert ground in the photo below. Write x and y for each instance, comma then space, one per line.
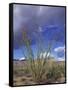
22, 75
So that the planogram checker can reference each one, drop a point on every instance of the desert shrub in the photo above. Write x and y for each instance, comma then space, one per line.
36, 67
62, 69
40, 69
55, 72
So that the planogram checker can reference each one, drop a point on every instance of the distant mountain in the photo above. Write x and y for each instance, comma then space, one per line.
21, 59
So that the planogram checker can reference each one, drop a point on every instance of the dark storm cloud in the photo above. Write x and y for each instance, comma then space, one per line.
33, 17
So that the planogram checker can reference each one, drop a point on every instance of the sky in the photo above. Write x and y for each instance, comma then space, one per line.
43, 24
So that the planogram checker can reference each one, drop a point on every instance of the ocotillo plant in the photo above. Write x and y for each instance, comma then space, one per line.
37, 67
